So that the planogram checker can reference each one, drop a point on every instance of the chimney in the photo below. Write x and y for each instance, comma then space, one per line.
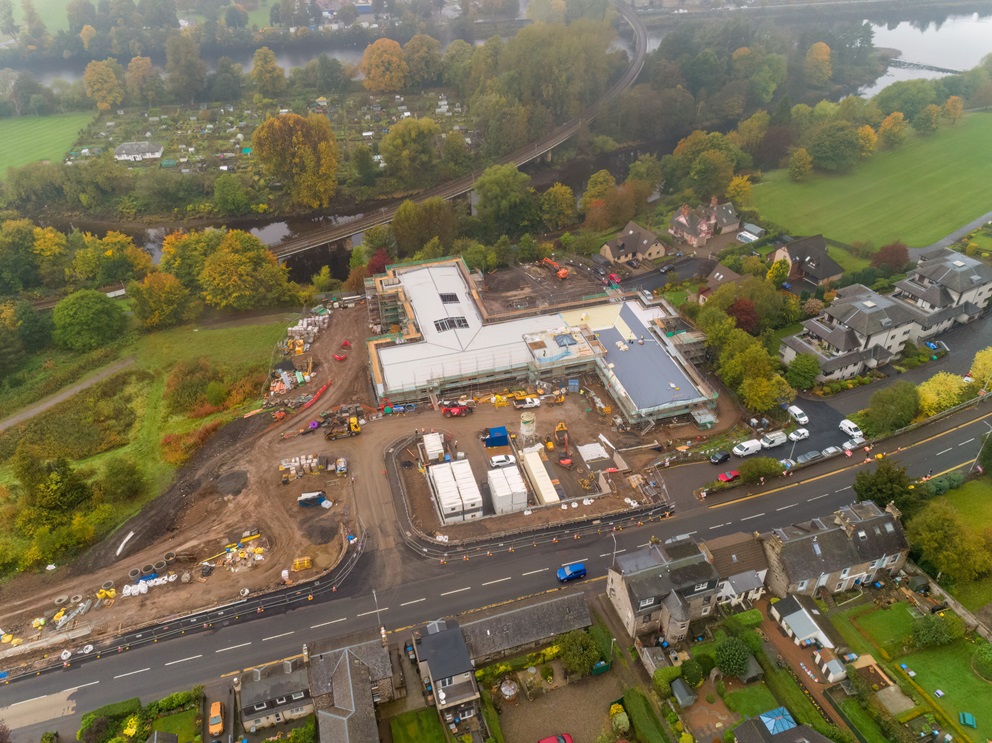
713, 202
256, 674
306, 655
287, 666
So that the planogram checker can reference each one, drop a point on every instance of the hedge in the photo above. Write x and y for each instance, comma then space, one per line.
642, 718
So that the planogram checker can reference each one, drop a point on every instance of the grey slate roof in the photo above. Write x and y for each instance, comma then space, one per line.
735, 553
630, 240
725, 215
528, 624
658, 571
753, 731
867, 312
345, 708
444, 651
810, 255
953, 270
687, 221
840, 337
137, 148
744, 582
274, 683
719, 276
827, 363
935, 294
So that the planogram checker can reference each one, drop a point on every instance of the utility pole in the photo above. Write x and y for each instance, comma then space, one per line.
981, 448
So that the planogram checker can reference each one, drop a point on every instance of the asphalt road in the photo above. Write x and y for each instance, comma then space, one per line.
430, 589
684, 269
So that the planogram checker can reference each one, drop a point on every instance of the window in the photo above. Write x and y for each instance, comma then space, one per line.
281, 700
298, 696
845, 572
802, 585
705, 611
449, 299
839, 587
445, 682
450, 323
893, 558
646, 602
700, 587
260, 706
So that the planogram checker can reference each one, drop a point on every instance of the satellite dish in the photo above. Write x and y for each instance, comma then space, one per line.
440, 696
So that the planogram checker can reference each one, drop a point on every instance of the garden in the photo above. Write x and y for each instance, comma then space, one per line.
418, 726
128, 722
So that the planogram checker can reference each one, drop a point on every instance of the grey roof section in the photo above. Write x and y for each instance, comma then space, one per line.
132, 149
873, 532
649, 375
445, 651
868, 313
345, 708
952, 270
656, 573
829, 364
719, 276
735, 554
744, 582
274, 683
725, 215
839, 336
753, 730
631, 240
683, 694
935, 294
686, 220
526, 625
365, 646
810, 255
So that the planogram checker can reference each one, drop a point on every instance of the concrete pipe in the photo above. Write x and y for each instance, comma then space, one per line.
77, 599
61, 600
108, 585
148, 569
134, 574
160, 566
170, 557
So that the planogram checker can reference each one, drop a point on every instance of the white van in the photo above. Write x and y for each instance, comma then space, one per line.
851, 428
773, 439
798, 415
747, 448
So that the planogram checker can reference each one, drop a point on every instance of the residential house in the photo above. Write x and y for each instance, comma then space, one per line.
947, 288
446, 670
718, 277
272, 694
852, 547
723, 216
696, 226
776, 726
741, 565
801, 620
662, 588
526, 627
632, 242
137, 151
808, 261
859, 330
348, 676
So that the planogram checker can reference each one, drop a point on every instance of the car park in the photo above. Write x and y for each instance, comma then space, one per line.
850, 428
502, 460
852, 443
831, 451
798, 415
810, 456
772, 439
572, 571
799, 434
719, 457
729, 476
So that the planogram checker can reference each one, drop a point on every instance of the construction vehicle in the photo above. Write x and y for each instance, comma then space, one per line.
564, 457
455, 410
553, 400
561, 431
560, 271
549, 443
342, 429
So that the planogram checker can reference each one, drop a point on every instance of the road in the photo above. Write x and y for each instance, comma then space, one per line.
428, 589
465, 184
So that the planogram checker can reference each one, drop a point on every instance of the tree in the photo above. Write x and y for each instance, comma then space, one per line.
141, 80
185, 72
942, 391
324, 282
891, 408
662, 680
812, 307
302, 153
268, 76
757, 469
578, 652
384, 67
739, 190
600, 184
60, 488
243, 274
981, 367
778, 274
803, 371
8, 25
103, 83
867, 140
892, 130
818, 65
34, 32
558, 209
761, 394
894, 256
948, 543
34, 328
927, 121
647, 169
692, 672
908, 96
378, 262
416, 224
409, 150
745, 314
732, 657
87, 320
954, 109
834, 145
230, 195
183, 254
235, 17
355, 283
422, 54
160, 301
888, 482
711, 174
800, 164
506, 201
123, 481
86, 34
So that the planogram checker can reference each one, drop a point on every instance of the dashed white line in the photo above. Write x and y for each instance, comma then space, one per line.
25, 701
274, 637
131, 673
532, 572
415, 601
83, 686
943, 452
183, 660
791, 505
499, 580
843, 489
374, 611
457, 590
644, 545
817, 497
690, 533
324, 624
748, 518
233, 647
965, 442
718, 526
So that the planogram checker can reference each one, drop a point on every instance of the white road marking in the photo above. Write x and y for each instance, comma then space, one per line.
366, 613
457, 590
843, 489
532, 572
131, 673
25, 701
284, 634
791, 505
965, 442
183, 660
233, 647
324, 624
415, 601
748, 518
718, 526
943, 452
500, 580
566, 564
817, 497
83, 686
644, 545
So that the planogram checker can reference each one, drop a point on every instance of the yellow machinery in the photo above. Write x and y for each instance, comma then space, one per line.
302, 563
561, 431
500, 402
549, 443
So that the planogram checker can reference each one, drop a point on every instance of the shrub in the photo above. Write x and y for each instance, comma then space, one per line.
707, 663
578, 652
983, 661
732, 656
692, 672
663, 678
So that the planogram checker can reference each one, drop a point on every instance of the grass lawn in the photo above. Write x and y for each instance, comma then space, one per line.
708, 648
917, 193
419, 726
868, 728
30, 138
677, 298
752, 700
948, 668
889, 627
788, 330
852, 637
850, 263
180, 723
974, 502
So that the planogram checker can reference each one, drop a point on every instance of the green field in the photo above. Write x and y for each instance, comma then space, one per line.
889, 628
419, 726
30, 138
918, 193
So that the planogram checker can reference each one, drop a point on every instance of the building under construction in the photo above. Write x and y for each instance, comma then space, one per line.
437, 340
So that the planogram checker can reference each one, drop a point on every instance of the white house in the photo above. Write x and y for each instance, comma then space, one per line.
137, 151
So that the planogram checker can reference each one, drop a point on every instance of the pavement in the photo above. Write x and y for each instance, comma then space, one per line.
235, 640
945, 242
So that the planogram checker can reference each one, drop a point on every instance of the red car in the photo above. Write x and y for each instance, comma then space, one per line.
729, 476
560, 738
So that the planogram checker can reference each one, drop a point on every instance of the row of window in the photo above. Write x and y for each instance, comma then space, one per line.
846, 572
450, 323
280, 701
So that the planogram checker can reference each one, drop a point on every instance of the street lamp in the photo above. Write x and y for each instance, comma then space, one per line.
612, 643
614, 562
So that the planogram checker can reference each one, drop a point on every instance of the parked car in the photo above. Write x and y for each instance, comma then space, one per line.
729, 476
560, 738
850, 428
572, 571
215, 722
502, 460
634, 263
527, 402
854, 443
799, 434
666, 268
831, 451
719, 457
798, 415
810, 456
747, 448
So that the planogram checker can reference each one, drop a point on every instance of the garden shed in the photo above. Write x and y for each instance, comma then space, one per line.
753, 673
683, 694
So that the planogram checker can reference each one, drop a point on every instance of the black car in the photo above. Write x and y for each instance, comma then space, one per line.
810, 456
666, 268
720, 457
